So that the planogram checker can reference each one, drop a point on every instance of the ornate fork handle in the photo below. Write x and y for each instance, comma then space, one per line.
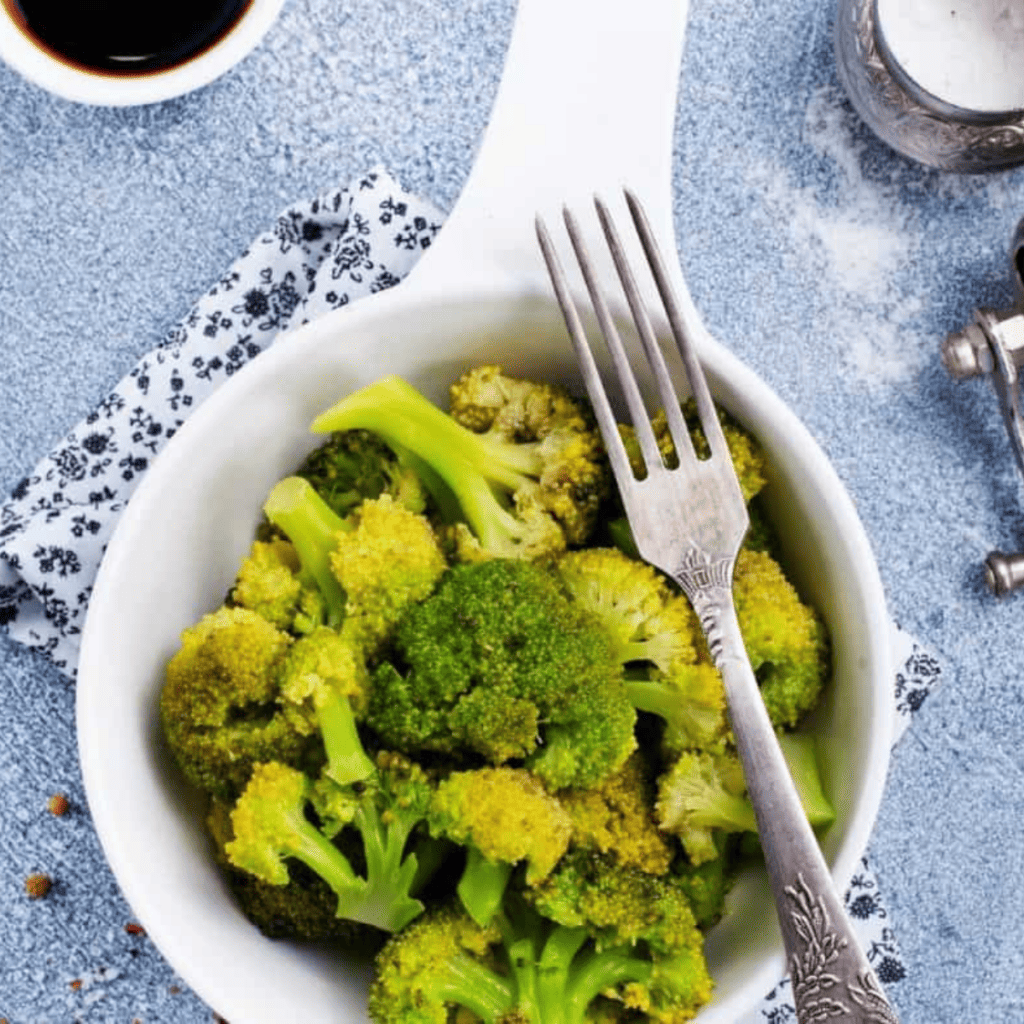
831, 977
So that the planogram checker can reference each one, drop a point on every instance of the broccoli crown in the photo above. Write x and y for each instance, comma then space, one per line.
626, 909
271, 825
501, 663
267, 583
523, 969
388, 561
354, 465
524, 493
785, 638
506, 814
368, 567
702, 793
324, 684
656, 636
219, 703
616, 817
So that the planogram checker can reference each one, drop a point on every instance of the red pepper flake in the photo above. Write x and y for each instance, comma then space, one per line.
38, 885
134, 929
76, 984
58, 804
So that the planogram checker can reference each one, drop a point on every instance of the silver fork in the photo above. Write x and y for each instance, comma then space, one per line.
690, 521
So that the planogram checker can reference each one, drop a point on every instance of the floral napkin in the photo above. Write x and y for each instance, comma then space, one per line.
317, 256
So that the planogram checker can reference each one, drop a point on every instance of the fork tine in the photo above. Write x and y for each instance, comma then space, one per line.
606, 420
655, 357
620, 360
694, 371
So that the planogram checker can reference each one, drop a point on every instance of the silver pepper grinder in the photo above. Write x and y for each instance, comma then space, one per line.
993, 347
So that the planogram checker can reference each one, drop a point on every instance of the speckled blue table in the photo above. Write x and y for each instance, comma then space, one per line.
830, 264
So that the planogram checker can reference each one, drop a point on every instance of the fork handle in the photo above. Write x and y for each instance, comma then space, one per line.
831, 977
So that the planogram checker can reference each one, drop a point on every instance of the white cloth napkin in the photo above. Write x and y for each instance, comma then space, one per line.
345, 244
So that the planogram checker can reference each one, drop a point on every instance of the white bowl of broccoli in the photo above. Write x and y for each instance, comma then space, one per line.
478, 299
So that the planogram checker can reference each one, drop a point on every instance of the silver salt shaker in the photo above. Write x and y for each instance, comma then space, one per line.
940, 81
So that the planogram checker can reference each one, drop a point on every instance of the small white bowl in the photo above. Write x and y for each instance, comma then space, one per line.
23, 52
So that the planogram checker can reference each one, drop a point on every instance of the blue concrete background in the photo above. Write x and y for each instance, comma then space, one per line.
829, 263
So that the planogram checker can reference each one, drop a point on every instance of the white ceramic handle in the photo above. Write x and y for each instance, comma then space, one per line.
586, 104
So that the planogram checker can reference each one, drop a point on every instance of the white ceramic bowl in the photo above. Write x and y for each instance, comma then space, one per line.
479, 296
23, 52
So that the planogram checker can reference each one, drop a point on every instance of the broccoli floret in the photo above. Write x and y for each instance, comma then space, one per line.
219, 706
521, 969
704, 792
785, 639
269, 584
369, 566
305, 908
655, 636
354, 465
500, 662
502, 816
627, 909
526, 497
271, 824
617, 817
325, 679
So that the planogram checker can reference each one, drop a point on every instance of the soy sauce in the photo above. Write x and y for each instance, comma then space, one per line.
127, 37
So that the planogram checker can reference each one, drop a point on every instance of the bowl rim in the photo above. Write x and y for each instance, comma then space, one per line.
720, 362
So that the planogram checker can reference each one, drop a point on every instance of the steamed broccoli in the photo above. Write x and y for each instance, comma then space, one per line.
219, 706
502, 816
368, 567
616, 817
655, 635
523, 969
271, 824
704, 792
325, 681
626, 909
523, 494
269, 583
784, 637
499, 662
354, 465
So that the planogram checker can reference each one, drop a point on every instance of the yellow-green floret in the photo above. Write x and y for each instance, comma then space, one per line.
502, 816
368, 567
616, 817
785, 638
655, 635
219, 704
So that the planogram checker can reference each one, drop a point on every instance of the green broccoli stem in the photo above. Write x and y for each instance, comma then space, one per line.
467, 463
482, 885
347, 760
296, 509
556, 982
383, 899
467, 982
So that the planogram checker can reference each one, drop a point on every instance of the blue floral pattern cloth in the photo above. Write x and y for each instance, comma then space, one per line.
317, 256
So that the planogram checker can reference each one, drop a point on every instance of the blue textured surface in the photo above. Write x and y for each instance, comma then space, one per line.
830, 264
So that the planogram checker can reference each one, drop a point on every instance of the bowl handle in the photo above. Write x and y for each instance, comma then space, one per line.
586, 105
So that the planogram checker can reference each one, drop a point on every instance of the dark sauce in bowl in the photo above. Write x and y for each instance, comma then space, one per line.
126, 37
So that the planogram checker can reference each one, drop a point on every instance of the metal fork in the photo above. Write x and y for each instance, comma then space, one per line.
690, 521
